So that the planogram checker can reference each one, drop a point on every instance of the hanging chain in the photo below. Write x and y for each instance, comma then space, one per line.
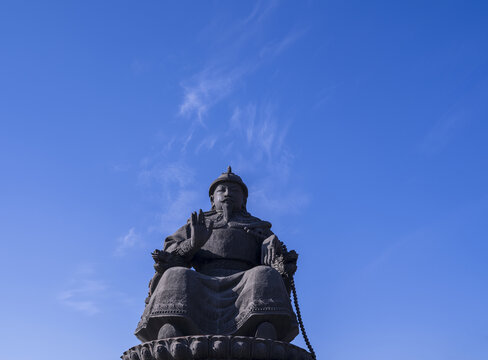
300, 321
299, 314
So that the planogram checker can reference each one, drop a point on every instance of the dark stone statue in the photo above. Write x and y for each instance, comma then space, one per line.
239, 285
222, 278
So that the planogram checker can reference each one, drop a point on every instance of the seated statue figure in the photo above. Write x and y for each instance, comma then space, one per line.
240, 281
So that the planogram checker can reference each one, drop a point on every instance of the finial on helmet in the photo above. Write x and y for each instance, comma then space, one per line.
228, 176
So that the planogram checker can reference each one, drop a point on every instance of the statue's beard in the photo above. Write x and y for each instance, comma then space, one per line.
227, 209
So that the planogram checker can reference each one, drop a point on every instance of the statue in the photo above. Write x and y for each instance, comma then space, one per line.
240, 285
222, 288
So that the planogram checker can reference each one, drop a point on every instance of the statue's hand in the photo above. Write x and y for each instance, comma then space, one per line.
199, 230
270, 249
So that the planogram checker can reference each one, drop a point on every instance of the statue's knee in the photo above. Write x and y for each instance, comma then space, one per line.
175, 273
263, 271
168, 330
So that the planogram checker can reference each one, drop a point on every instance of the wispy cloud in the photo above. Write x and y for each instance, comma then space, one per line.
260, 130
83, 296
207, 143
178, 210
260, 145
175, 181
139, 67
442, 132
260, 11
120, 167
127, 242
242, 55
249, 133
275, 48
205, 90
87, 294
166, 173
252, 140
288, 203
239, 34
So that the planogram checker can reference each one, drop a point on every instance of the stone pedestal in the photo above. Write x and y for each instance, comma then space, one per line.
213, 347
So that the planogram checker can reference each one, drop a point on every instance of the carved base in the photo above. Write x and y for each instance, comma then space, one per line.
212, 347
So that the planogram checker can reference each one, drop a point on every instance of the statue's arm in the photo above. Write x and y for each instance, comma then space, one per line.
175, 252
274, 253
179, 244
285, 262
191, 237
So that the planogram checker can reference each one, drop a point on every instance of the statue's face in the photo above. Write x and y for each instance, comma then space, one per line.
228, 193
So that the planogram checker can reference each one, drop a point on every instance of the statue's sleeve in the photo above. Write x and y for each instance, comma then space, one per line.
176, 252
179, 244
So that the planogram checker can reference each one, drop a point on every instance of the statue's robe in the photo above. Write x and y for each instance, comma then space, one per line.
229, 293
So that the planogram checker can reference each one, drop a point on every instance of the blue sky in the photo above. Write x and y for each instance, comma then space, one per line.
360, 128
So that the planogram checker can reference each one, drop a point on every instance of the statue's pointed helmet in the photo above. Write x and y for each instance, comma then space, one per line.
228, 176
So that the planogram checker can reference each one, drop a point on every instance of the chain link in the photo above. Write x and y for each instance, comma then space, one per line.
299, 314
300, 321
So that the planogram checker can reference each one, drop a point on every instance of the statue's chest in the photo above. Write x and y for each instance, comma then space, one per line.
231, 243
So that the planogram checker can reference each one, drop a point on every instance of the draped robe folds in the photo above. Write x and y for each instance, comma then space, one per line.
229, 293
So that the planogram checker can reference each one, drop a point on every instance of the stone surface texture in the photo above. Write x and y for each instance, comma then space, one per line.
215, 347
